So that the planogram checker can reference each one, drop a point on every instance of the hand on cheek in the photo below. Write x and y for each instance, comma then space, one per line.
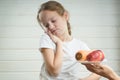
54, 38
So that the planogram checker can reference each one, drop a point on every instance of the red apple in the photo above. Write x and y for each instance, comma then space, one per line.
96, 55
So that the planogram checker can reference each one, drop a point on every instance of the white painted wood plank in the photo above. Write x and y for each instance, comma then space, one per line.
30, 43
82, 31
18, 20
19, 43
20, 66
95, 20
81, 20
23, 66
19, 76
27, 75
20, 57
115, 65
30, 8
112, 54
33, 3
112, 43
21, 31
35, 55
95, 31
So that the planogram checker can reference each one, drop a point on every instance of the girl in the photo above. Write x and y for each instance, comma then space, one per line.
57, 45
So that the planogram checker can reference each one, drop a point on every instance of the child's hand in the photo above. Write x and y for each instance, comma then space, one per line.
54, 38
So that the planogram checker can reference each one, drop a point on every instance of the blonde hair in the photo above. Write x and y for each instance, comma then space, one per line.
53, 6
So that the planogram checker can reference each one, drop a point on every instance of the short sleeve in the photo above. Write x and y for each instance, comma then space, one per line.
84, 46
46, 42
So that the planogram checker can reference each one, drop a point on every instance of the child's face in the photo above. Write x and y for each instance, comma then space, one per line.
53, 22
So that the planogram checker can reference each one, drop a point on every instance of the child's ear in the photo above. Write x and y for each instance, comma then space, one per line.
66, 15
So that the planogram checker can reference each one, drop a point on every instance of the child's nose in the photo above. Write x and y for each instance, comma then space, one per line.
51, 26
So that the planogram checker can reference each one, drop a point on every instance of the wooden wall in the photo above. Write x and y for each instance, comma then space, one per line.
96, 22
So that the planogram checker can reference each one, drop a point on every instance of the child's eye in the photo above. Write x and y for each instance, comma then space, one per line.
47, 25
53, 21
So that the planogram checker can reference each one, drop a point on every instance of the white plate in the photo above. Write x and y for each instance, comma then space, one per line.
89, 62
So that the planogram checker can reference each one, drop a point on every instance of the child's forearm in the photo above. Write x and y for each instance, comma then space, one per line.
58, 58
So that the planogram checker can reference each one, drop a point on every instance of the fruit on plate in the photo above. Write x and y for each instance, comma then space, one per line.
91, 55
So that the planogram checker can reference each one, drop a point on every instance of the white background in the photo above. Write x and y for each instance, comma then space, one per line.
96, 22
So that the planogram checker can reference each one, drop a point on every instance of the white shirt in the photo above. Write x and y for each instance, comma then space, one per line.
71, 69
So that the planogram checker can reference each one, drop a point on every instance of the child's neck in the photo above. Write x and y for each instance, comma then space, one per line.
66, 38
